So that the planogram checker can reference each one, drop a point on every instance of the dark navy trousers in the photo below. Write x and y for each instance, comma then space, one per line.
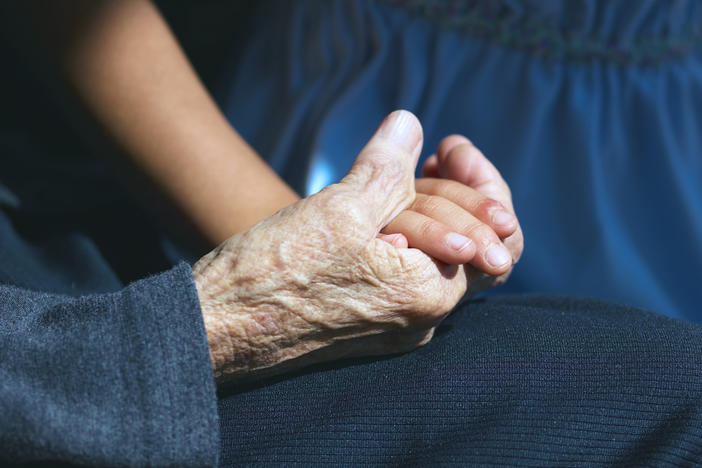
528, 381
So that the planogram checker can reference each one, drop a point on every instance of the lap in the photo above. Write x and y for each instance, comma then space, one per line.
522, 380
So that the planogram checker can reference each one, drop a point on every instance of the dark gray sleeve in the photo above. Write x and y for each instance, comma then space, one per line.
112, 379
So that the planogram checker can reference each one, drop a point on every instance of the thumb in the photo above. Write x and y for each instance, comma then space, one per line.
383, 173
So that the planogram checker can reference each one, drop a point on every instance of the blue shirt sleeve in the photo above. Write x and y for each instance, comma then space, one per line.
112, 379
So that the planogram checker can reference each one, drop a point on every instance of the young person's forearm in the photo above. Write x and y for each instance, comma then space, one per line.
130, 73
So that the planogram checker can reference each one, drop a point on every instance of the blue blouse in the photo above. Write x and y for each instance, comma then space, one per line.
592, 111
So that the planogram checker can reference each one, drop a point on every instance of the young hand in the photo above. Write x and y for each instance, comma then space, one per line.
459, 160
461, 213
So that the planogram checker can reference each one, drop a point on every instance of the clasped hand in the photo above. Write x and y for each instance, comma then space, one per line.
368, 266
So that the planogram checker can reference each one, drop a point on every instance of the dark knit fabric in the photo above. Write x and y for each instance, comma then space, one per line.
513, 381
117, 379
94, 371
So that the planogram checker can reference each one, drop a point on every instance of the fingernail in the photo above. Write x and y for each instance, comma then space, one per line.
497, 255
396, 240
502, 217
402, 127
457, 241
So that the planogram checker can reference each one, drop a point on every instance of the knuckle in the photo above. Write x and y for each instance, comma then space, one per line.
386, 160
340, 204
428, 228
498, 187
466, 152
426, 295
464, 196
481, 233
384, 267
471, 150
484, 206
428, 203
451, 141
384, 163
463, 147
383, 169
493, 188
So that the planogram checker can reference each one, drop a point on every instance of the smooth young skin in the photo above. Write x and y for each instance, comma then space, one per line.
459, 160
126, 68
462, 192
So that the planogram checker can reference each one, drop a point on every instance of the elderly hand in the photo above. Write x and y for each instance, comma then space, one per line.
314, 283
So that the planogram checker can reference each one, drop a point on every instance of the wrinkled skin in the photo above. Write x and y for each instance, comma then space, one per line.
314, 282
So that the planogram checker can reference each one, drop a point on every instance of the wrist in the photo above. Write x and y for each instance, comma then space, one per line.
218, 342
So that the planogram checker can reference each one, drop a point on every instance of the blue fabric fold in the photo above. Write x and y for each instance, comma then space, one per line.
602, 151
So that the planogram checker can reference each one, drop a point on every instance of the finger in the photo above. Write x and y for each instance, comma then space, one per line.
460, 160
449, 143
480, 281
491, 255
432, 237
487, 210
431, 167
397, 240
515, 244
382, 177
466, 164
